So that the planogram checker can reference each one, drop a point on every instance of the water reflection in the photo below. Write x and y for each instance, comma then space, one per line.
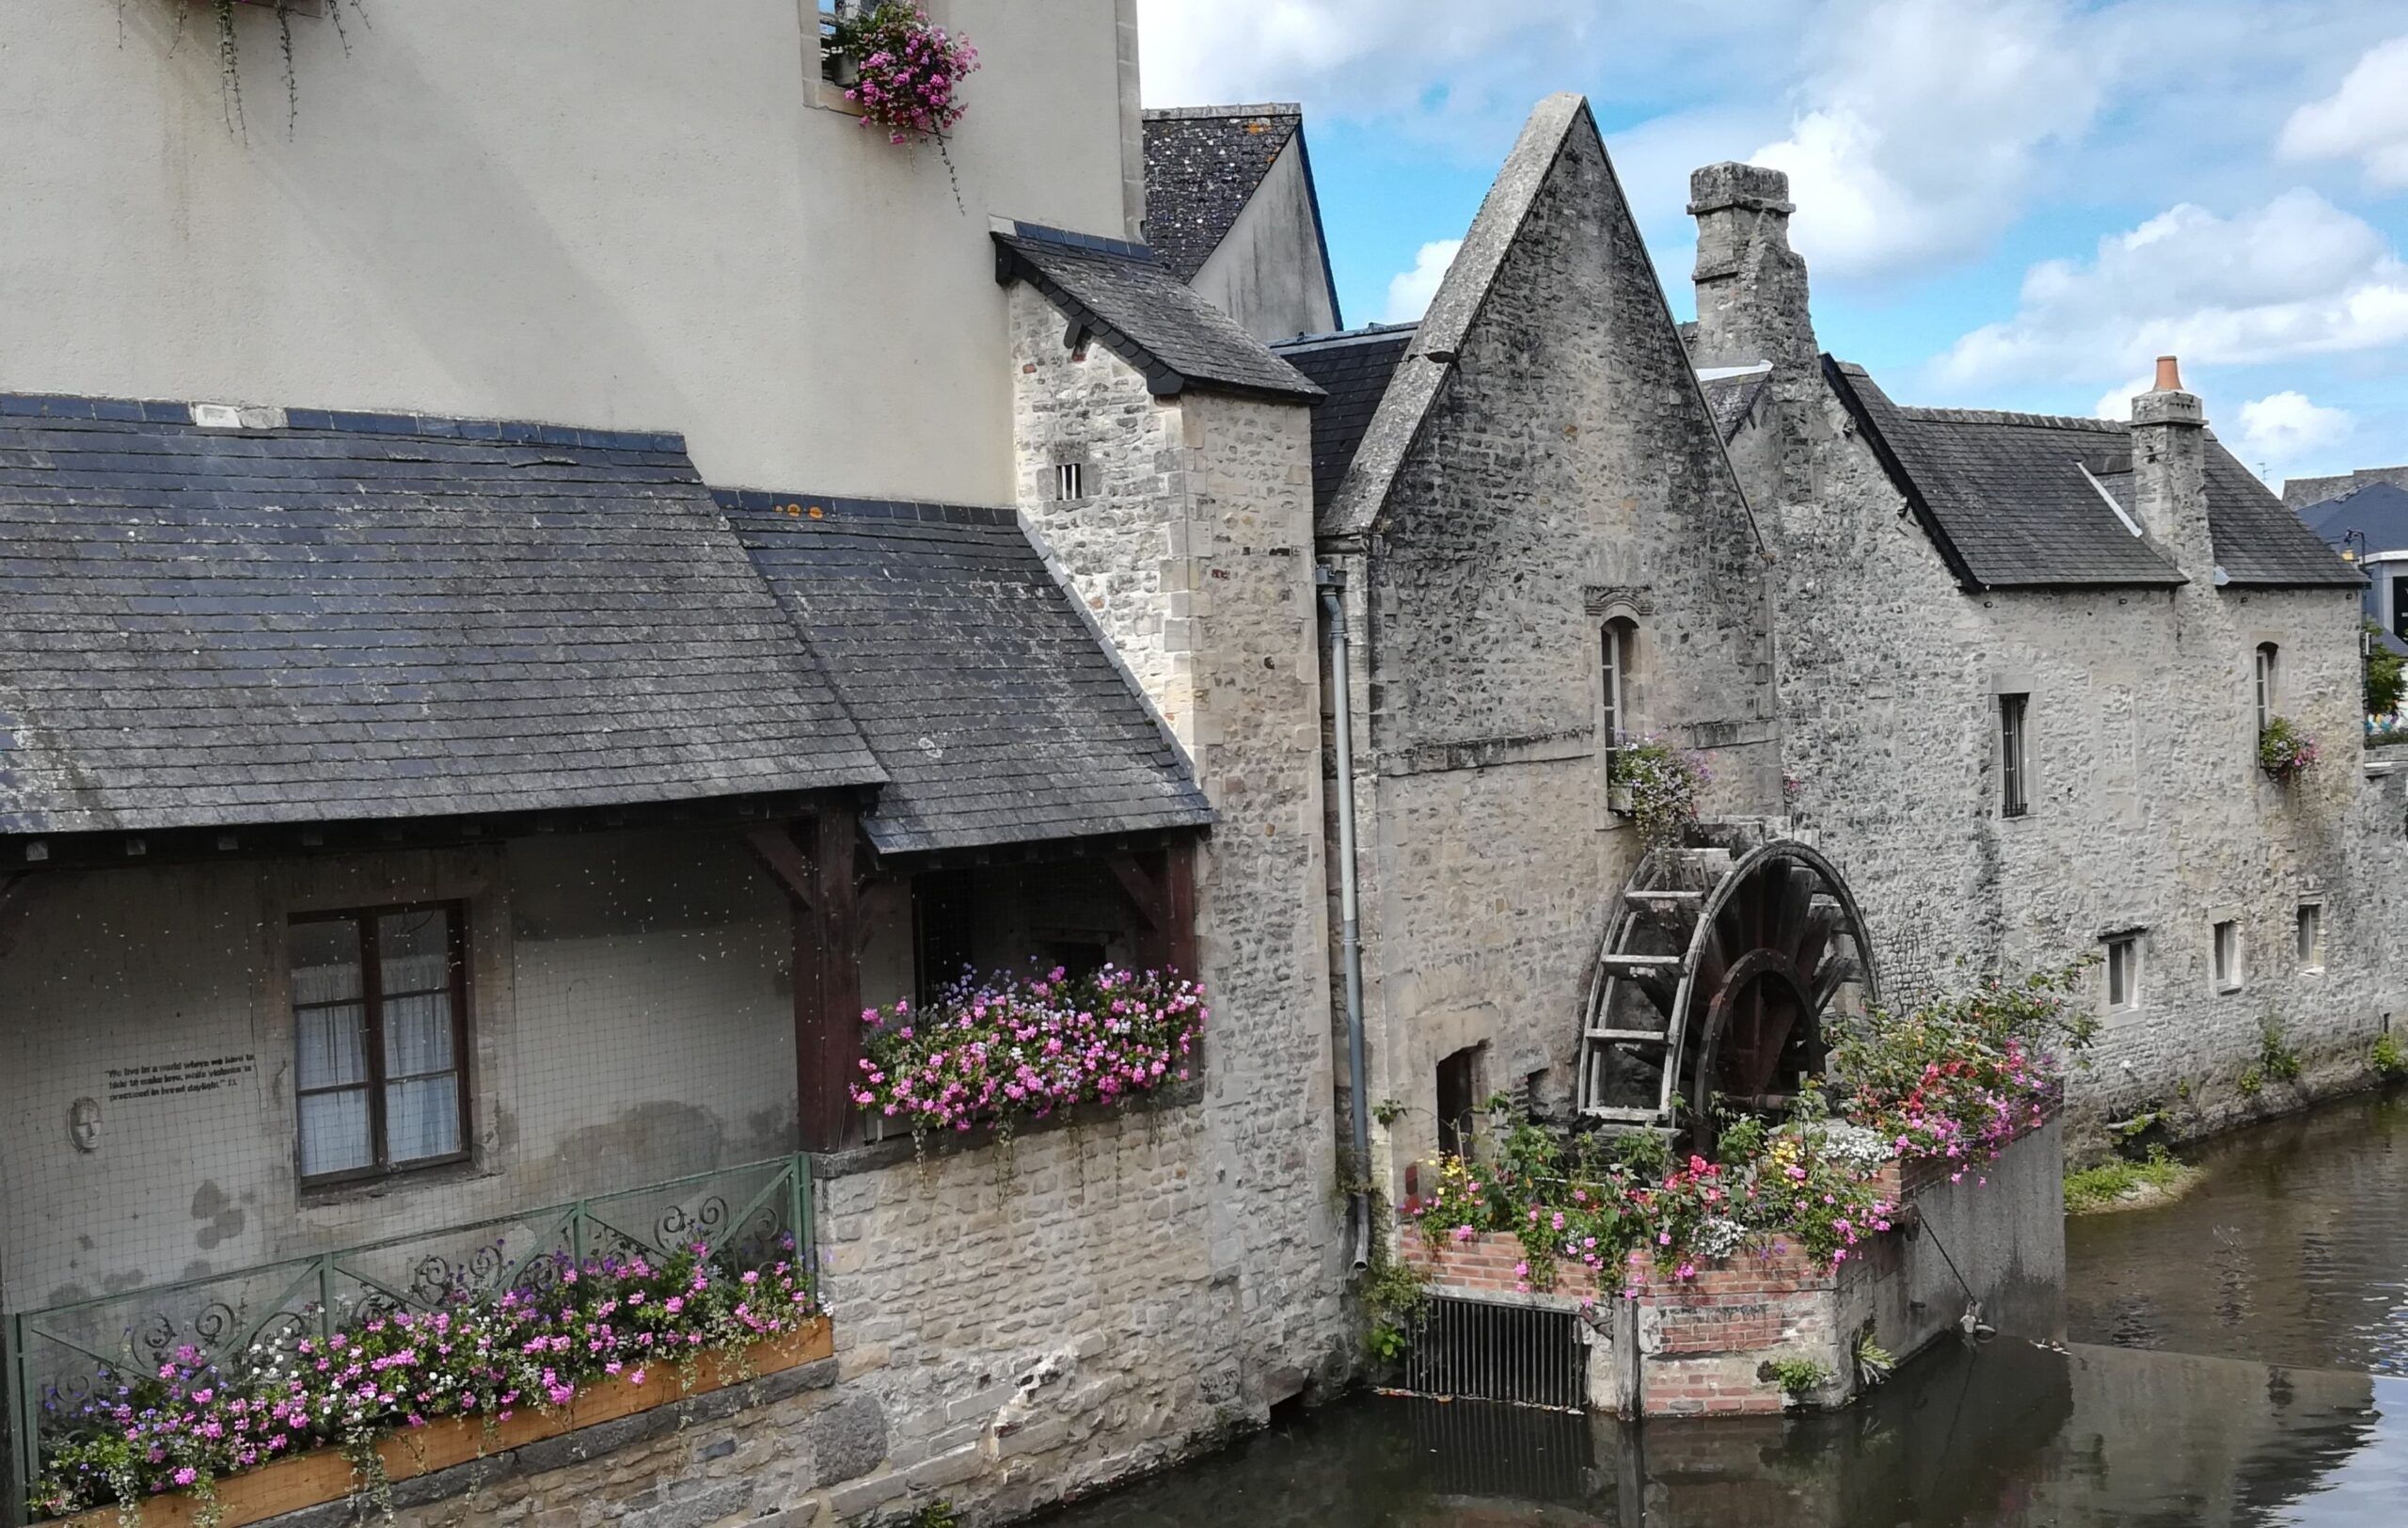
2293, 1251
2009, 1436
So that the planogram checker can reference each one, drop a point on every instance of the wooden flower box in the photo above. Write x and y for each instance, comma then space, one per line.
325, 1475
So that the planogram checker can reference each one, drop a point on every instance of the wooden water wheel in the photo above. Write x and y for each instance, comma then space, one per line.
1712, 984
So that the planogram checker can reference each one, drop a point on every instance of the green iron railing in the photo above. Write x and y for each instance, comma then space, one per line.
59, 1357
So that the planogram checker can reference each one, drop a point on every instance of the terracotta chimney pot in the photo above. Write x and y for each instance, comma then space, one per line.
2169, 375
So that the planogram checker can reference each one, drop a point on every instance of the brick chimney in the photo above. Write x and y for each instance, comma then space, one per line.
2170, 473
1750, 285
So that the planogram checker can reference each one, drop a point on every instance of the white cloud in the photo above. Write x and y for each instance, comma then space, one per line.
2366, 120
1409, 292
2279, 430
1922, 137
2297, 277
2116, 402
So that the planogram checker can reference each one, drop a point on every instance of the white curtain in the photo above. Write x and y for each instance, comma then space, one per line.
422, 1118
333, 1132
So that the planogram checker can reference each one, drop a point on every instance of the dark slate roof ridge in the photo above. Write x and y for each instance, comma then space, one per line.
1127, 248
1306, 343
343, 421
1209, 114
2008, 416
802, 506
1147, 316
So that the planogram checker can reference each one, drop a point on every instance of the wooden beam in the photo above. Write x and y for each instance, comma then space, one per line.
1162, 888
1179, 888
773, 845
1145, 892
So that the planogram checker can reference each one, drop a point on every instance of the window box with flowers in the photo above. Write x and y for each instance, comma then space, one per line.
2286, 750
310, 1413
1658, 787
1008, 1049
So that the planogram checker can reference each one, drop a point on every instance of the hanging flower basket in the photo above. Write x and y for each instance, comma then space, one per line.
1658, 787
902, 70
2286, 750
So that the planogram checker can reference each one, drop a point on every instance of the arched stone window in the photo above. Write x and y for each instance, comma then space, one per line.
1617, 649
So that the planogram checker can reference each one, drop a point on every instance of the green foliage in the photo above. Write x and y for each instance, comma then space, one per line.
2286, 750
2386, 1057
1797, 1377
1393, 1297
2383, 737
1664, 783
937, 1513
2252, 1080
2386, 674
2095, 1188
1388, 1111
2275, 1057
1874, 1363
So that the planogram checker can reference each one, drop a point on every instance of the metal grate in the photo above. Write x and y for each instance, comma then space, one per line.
1520, 1355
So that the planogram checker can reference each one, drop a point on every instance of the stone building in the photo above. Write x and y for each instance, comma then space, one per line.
2026, 663
1540, 548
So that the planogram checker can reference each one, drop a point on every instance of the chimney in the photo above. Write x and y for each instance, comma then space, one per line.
1750, 285
2170, 473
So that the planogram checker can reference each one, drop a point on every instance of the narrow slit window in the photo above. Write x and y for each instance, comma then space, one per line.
1071, 482
2228, 953
2311, 936
2015, 775
1616, 640
2269, 700
1459, 1102
2124, 972
380, 1041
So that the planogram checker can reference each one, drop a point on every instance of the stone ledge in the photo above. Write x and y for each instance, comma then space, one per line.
880, 1154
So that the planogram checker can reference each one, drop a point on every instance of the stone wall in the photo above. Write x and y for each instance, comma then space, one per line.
1193, 551
1564, 475
2147, 812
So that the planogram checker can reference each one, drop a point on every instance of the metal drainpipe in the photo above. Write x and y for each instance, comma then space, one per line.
1350, 942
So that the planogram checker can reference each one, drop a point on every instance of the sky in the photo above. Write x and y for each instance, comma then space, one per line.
2002, 204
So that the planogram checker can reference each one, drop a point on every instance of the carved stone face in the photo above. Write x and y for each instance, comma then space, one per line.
84, 1124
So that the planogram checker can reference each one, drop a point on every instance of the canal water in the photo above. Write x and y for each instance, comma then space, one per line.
2228, 1363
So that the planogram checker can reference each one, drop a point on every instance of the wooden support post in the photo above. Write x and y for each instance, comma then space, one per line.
829, 1116
817, 877
1162, 888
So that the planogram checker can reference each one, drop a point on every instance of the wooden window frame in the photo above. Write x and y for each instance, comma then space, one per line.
371, 999
2015, 754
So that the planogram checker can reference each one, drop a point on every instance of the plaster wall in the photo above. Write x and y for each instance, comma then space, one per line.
629, 1022
1268, 273
601, 212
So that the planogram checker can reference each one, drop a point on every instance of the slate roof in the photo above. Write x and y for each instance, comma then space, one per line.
1733, 396
1354, 370
2016, 499
373, 616
996, 711
2379, 509
1203, 164
1146, 314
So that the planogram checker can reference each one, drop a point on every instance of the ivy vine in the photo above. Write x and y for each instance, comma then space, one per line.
229, 52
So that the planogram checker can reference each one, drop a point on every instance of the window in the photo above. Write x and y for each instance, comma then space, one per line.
380, 1040
2014, 768
2228, 953
2267, 698
2400, 608
2311, 936
1613, 682
2124, 972
1459, 1101
1069, 482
